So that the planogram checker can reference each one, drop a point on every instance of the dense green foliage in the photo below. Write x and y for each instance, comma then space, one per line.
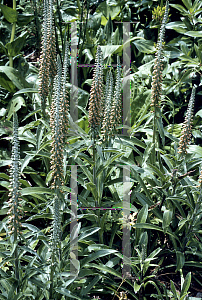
46, 156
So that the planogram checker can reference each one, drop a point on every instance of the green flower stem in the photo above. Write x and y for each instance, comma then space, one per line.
12, 36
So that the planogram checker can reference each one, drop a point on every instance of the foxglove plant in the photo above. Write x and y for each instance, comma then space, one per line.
115, 115
47, 69
59, 125
95, 101
14, 194
156, 93
105, 130
185, 138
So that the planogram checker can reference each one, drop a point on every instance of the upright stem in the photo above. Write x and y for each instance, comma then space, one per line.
154, 137
12, 36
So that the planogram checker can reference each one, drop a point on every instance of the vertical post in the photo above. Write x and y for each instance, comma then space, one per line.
73, 183
74, 224
126, 76
74, 79
126, 246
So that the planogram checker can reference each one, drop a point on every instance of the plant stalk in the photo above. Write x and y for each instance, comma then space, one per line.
12, 36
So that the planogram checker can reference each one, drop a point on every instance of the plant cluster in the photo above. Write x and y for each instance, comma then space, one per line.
65, 183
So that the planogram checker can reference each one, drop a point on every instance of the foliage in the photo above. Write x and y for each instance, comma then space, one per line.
54, 157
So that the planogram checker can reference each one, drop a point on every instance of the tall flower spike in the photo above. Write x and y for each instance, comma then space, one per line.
57, 156
56, 123
108, 103
95, 101
65, 94
115, 117
185, 138
44, 60
13, 212
47, 69
158, 67
52, 42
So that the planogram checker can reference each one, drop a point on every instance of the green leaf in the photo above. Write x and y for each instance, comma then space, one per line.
85, 290
109, 50
15, 78
180, 8
24, 19
180, 260
67, 293
154, 227
92, 187
185, 286
173, 289
15, 47
187, 3
107, 10
145, 46
177, 26
35, 190
96, 255
194, 33
16, 103
10, 14
143, 213
137, 287
167, 217
109, 270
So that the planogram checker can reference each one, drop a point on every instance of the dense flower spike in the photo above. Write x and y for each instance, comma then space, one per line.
185, 138
56, 123
64, 93
13, 212
59, 125
158, 67
108, 104
115, 116
52, 42
47, 69
95, 101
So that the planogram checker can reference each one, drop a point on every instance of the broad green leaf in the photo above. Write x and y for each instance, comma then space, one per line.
107, 10
173, 289
92, 187
185, 286
187, 3
16, 103
167, 217
14, 76
180, 8
10, 14
35, 190
15, 47
180, 260
24, 19
177, 26
142, 215
194, 33
109, 50
137, 287
96, 255
145, 46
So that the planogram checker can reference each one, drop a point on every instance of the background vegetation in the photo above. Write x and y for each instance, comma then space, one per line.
40, 142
